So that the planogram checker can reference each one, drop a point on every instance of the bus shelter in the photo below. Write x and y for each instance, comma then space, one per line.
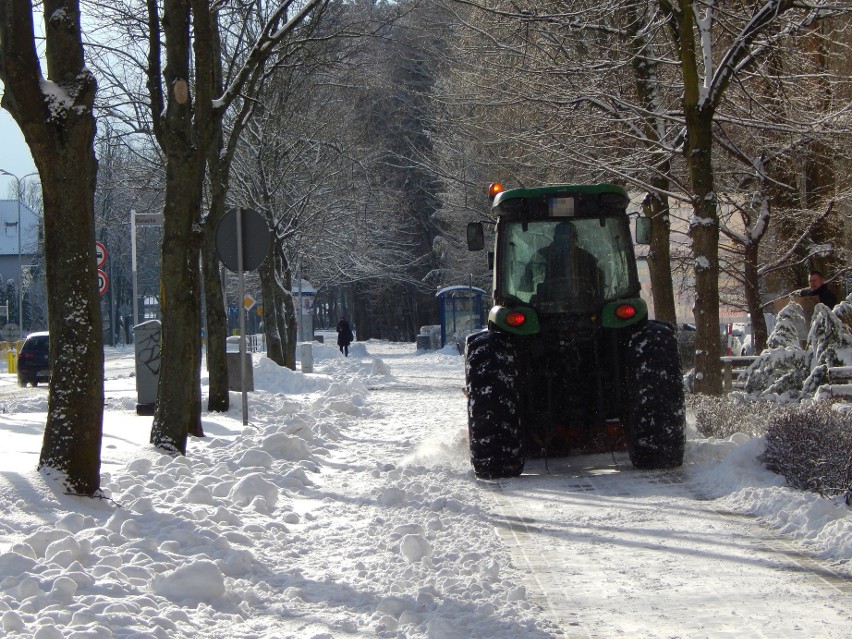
461, 312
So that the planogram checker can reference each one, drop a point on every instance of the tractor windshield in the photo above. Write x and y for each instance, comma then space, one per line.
566, 264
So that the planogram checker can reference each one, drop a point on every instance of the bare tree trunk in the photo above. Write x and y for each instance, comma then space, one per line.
182, 127
194, 427
271, 321
178, 396
363, 328
759, 334
188, 124
287, 312
704, 229
72, 437
699, 112
656, 207
217, 323
60, 138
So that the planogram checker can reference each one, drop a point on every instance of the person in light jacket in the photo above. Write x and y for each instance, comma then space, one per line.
344, 336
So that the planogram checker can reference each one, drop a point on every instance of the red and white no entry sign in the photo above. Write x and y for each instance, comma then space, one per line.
103, 282
101, 253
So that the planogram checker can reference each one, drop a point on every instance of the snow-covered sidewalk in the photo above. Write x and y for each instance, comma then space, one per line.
347, 508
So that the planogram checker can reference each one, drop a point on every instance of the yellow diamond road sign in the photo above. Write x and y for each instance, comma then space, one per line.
248, 302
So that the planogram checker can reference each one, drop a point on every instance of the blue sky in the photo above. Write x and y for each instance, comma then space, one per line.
15, 155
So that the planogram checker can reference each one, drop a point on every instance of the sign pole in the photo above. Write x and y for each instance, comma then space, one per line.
113, 324
133, 269
241, 287
251, 247
301, 323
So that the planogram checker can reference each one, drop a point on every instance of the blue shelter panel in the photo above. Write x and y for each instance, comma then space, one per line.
461, 312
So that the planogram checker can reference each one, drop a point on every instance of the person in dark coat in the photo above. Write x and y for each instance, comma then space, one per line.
819, 289
344, 336
571, 273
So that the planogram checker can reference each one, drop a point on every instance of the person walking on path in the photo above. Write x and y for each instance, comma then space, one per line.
344, 336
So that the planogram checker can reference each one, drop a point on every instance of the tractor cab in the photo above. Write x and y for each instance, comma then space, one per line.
563, 250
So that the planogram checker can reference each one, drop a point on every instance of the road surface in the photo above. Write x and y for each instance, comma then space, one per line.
614, 552
609, 551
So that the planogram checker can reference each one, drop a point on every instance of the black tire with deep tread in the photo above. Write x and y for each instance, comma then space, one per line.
656, 416
493, 406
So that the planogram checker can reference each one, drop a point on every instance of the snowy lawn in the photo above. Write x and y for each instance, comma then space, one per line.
347, 508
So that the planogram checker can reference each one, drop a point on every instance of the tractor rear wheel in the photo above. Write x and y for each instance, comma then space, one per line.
493, 406
656, 417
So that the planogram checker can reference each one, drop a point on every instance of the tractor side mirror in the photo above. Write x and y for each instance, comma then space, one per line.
475, 236
643, 230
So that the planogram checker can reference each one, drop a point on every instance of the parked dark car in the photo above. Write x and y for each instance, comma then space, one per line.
34, 360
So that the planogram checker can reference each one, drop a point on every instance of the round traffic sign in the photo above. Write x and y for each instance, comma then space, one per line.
256, 239
100, 253
103, 282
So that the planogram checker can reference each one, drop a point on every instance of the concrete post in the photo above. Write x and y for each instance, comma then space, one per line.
306, 355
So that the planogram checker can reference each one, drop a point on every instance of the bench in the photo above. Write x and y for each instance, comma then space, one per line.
839, 383
839, 377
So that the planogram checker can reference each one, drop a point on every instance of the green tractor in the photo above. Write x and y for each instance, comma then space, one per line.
569, 361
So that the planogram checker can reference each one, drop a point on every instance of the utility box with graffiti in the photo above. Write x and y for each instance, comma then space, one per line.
147, 343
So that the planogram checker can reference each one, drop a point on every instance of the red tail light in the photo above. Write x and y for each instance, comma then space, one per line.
515, 318
625, 311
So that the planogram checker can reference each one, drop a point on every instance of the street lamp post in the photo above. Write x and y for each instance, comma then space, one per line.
20, 262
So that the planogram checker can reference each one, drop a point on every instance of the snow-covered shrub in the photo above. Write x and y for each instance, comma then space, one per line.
785, 369
811, 447
843, 311
778, 371
724, 416
829, 344
790, 327
830, 339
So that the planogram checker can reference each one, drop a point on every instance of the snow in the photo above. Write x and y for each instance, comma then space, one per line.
346, 508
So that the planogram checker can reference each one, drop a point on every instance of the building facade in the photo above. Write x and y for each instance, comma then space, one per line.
20, 255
